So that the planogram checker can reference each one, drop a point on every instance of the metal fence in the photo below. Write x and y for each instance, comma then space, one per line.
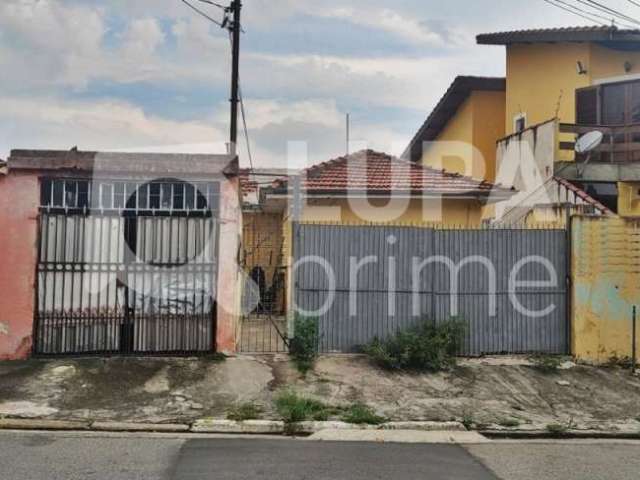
386, 296
125, 279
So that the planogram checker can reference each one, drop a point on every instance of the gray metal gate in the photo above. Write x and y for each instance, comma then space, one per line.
483, 261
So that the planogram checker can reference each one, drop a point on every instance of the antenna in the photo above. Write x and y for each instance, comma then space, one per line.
348, 132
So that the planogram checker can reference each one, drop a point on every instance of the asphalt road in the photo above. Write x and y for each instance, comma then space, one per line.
70, 456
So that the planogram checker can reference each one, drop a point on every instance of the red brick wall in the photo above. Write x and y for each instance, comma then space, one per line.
19, 198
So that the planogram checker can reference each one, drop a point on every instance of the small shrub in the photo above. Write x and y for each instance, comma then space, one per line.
546, 363
244, 411
427, 347
361, 414
303, 347
468, 421
556, 429
294, 408
510, 423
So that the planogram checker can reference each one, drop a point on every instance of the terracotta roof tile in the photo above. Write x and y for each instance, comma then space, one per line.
375, 172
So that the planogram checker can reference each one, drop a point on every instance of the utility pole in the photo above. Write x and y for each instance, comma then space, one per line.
235, 28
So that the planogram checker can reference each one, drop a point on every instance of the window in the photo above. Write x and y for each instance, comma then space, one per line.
520, 123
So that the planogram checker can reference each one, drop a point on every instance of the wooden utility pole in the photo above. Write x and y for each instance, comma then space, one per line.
235, 7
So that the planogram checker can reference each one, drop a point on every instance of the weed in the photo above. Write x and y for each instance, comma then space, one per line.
467, 420
622, 362
546, 363
427, 347
556, 429
361, 414
244, 411
509, 423
304, 345
294, 408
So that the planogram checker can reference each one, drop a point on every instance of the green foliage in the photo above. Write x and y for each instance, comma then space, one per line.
468, 420
294, 408
546, 363
427, 347
556, 429
303, 347
244, 411
510, 423
361, 414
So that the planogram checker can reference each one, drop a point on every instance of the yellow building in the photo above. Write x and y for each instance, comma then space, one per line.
460, 134
560, 84
585, 79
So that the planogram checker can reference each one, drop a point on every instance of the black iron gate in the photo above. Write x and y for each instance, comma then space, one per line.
126, 268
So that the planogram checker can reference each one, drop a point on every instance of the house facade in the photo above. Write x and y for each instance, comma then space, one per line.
560, 84
117, 253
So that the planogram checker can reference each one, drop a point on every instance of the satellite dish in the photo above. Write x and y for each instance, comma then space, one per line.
589, 142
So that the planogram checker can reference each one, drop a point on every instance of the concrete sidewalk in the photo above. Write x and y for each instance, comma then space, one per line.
499, 394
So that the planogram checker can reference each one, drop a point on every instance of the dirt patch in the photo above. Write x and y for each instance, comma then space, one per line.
490, 393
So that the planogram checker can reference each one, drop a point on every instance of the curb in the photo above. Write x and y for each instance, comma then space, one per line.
568, 435
32, 424
248, 427
139, 427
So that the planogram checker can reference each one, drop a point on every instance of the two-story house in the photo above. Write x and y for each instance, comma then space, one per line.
560, 84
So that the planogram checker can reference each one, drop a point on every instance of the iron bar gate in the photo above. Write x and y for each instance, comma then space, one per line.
354, 316
126, 268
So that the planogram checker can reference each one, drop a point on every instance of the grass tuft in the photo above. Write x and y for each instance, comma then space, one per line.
244, 411
294, 408
360, 414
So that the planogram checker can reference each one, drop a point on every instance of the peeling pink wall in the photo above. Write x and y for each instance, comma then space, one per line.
228, 297
19, 194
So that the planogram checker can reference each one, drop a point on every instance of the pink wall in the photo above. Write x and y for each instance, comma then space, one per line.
19, 195
19, 199
228, 297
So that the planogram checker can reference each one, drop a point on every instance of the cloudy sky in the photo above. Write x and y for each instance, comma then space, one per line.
150, 75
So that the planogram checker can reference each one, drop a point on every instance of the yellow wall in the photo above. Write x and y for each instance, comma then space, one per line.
538, 76
488, 112
606, 285
542, 79
477, 125
605, 64
629, 199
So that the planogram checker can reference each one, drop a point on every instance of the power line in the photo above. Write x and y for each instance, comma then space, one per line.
591, 19
580, 10
633, 2
244, 116
603, 8
196, 9
214, 4
244, 124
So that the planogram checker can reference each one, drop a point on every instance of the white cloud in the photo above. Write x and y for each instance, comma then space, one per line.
105, 125
142, 38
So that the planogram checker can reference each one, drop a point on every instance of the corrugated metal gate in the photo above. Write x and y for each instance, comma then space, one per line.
126, 268
485, 258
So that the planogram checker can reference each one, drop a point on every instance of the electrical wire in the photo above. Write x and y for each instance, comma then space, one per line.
244, 124
633, 2
591, 19
197, 10
214, 4
578, 9
603, 8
